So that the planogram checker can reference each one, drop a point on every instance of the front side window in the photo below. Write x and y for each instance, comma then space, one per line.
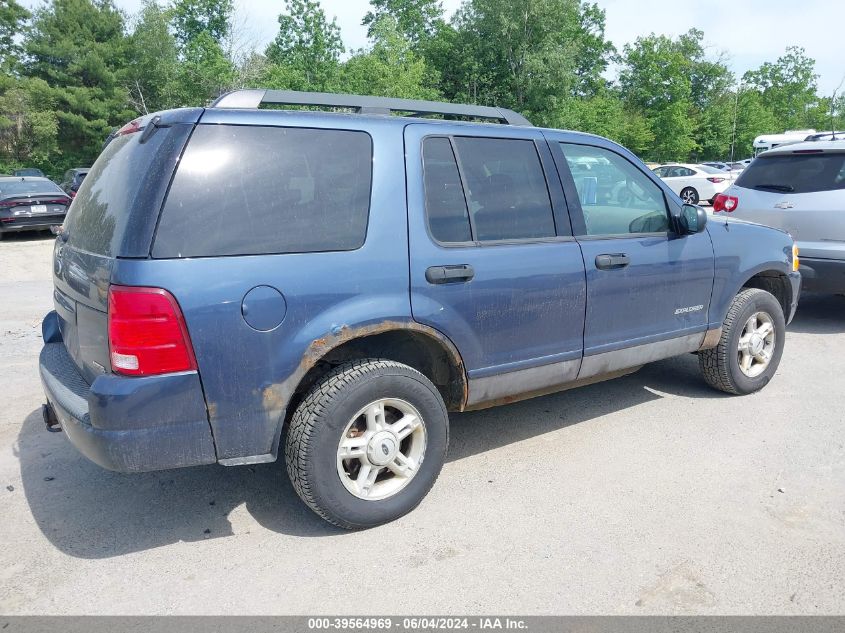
246, 190
616, 197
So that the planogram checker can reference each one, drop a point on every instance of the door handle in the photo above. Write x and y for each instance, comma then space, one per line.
612, 261
449, 274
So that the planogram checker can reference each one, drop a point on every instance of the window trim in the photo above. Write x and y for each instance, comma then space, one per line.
568, 182
544, 168
283, 127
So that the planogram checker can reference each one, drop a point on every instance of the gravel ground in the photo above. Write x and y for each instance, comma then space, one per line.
648, 494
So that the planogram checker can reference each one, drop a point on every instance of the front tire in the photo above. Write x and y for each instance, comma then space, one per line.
751, 345
367, 443
689, 195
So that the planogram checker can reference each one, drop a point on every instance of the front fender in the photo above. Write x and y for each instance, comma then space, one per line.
743, 250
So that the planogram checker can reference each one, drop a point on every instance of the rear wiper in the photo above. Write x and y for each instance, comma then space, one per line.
785, 188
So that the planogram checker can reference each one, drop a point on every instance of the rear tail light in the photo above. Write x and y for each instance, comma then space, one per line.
716, 179
147, 332
72, 193
724, 202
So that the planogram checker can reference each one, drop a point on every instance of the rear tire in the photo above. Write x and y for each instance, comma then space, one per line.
367, 443
689, 195
751, 345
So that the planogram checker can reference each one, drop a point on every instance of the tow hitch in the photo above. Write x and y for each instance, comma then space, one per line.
50, 419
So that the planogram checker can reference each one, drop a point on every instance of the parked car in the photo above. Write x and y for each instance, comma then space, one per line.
354, 277
73, 179
799, 188
30, 204
694, 183
28, 171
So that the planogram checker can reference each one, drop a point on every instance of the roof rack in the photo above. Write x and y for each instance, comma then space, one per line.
365, 105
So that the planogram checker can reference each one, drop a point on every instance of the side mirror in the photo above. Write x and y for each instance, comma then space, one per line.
692, 220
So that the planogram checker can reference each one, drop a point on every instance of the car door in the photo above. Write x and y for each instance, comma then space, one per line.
493, 262
648, 288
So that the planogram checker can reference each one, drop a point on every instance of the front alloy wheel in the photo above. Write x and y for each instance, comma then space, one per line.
756, 344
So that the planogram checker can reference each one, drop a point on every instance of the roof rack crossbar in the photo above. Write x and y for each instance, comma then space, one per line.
365, 105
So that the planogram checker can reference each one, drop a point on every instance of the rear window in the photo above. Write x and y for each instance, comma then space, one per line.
257, 190
795, 173
23, 187
99, 215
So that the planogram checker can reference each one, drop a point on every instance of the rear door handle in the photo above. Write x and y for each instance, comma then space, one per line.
612, 261
449, 274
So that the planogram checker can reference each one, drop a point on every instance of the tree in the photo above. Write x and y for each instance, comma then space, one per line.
519, 52
79, 49
593, 52
13, 19
788, 86
306, 52
153, 70
191, 18
390, 68
201, 27
416, 20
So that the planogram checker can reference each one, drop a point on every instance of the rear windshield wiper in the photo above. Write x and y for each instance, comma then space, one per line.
785, 188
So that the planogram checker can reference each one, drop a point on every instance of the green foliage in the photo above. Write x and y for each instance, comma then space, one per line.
306, 52
153, 70
75, 70
79, 49
416, 20
192, 18
13, 19
788, 87
390, 67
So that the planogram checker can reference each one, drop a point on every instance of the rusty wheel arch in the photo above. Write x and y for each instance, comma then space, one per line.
404, 341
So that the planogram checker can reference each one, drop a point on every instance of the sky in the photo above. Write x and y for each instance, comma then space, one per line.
750, 32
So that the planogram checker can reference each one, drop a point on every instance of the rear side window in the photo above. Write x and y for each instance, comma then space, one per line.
246, 190
795, 173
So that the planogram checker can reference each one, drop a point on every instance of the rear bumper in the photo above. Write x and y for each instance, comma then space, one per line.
128, 424
823, 275
31, 224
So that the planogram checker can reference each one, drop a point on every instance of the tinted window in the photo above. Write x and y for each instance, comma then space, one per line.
17, 187
506, 189
99, 215
251, 190
445, 204
795, 173
616, 197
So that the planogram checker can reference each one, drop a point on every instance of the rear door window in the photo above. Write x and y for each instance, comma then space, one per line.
795, 173
248, 190
485, 190
445, 205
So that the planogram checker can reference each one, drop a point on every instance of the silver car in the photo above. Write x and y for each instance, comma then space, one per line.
799, 188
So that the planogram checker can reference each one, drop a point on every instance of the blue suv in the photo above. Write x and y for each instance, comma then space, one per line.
239, 280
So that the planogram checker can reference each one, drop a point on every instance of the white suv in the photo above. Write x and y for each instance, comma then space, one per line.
799, 188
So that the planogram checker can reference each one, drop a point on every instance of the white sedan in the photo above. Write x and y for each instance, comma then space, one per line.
694, 183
